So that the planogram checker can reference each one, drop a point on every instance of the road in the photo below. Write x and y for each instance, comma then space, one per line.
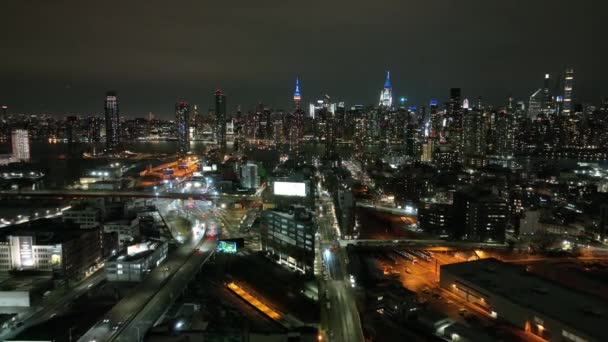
124, 193
339, 315
152, 294
55, 304
384, 208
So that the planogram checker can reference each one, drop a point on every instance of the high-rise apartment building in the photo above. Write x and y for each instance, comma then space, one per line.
21, 145
182, 121
220, 118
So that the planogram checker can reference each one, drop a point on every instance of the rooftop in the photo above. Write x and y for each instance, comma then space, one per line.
45, 231
583, 312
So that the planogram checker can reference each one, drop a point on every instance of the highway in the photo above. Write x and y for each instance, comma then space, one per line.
133, 315
339, 315
58, 301
391, 210
123, 193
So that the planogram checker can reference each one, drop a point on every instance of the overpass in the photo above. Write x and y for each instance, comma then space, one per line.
135, 314
390, 210
122, 193
421, 243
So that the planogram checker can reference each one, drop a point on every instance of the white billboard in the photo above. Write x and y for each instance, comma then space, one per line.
290, 189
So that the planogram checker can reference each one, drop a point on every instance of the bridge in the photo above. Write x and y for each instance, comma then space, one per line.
122, 193
431, 244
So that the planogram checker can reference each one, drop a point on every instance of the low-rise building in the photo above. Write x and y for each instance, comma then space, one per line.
134, 264
51, 245
538, 306
126, 230
84, 215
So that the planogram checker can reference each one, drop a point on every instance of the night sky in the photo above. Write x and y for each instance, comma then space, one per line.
61, 56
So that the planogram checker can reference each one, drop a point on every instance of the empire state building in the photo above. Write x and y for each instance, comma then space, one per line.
386, 95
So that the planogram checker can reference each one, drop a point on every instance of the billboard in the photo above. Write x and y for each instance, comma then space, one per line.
229, 246
290, 189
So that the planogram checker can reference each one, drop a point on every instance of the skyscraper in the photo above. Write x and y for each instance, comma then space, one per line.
454, 121
220, 118
505, 134
386, 95
182, 120
534, 105
296, 95
568, 87
295, 125
474, 138
546, 97
20, 140
112, 122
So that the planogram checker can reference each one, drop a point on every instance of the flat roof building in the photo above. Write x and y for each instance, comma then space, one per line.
51, 245
540, 307
290, 236
136, 261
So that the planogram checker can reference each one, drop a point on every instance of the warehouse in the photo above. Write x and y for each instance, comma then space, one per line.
538, 306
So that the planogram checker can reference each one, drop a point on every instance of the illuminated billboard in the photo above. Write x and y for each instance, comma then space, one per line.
229, 246
290, 189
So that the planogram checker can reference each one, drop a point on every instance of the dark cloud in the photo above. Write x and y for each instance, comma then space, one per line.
61, 56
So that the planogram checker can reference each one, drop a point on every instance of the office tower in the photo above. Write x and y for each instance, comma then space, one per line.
112, 122
546, 96
386, 95
4, 108
21, 145
220, 118
295, 121
296, 95
568, 88
535, 104
182, 121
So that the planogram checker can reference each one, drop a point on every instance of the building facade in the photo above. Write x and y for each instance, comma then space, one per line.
182, 122
138, 260
112, 117
289, 236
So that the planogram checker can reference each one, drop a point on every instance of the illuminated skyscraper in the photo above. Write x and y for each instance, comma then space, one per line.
220, 118
534, 105
546, 97
296, 121
296, 95
21, 145
112, 122
568, 87
182, 120
386, 95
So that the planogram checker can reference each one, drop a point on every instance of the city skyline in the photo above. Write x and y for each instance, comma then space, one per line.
152, 67
554, 85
